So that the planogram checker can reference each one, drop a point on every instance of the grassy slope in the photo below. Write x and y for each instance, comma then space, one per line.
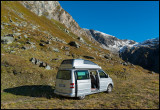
134, 88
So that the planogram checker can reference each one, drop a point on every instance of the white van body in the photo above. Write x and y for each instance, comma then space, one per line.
73, 79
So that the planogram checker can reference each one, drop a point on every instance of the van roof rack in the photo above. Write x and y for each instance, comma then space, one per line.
78, 64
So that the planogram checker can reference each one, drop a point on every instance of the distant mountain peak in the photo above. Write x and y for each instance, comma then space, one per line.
108, 41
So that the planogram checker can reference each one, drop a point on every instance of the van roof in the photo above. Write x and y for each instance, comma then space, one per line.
78, 63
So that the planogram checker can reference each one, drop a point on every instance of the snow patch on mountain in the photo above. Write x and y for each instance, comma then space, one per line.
147, 43
110, 42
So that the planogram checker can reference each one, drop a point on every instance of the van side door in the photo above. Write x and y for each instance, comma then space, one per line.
103, 80
83, 82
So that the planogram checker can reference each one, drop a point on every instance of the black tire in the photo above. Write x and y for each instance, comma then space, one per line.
109, 88
81, 97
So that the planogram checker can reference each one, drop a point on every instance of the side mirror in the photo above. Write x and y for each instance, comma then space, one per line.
107, 76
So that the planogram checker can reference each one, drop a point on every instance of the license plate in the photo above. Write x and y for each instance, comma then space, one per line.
61, 85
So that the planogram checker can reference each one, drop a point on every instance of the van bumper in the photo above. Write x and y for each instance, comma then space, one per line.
64, 94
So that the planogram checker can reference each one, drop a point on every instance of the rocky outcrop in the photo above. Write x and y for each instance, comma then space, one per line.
53, 10
145, 54
40, 63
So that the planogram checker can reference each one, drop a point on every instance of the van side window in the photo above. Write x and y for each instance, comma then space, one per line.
82, 74
64, 74
102, 74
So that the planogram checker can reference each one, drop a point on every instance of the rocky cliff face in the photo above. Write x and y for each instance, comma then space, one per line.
53, 10
109, 42
145, 54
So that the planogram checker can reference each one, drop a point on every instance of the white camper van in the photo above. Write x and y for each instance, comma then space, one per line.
78, 78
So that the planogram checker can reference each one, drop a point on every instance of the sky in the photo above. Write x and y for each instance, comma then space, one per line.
133, 20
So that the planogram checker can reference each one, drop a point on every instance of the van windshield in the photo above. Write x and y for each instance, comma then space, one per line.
64, 74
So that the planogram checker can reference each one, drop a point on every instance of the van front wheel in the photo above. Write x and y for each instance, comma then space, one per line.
81, 97
109, 88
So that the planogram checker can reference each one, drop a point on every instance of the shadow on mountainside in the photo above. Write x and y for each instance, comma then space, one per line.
34, 91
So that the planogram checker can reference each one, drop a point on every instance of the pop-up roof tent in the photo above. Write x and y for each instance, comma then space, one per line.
78, 64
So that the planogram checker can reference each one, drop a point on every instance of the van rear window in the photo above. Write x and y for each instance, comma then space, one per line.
64, 74
82, 74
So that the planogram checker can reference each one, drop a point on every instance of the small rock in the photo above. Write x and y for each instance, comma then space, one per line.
124, 63
16, 24
14, 72
73, 55
12, 51
10, 20
67, 53
2, 27
55, 59
33, 60
9, 35
25, 47
48, 42
55, 49
38, 62
153, 72
66, 48
81, 39
19, 37
25, 36
17, 34
41, 44
66, 30
48, 67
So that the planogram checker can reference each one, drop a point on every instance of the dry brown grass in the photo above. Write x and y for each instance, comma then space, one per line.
135, 88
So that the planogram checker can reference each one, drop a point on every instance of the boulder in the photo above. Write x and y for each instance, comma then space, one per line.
74, 44
7, 40
38, 62
15, 72
81, 39
48, 42
28, 42
124, 63
33, 60
66, 30
88, 57
55, 49
41, 44
42, 64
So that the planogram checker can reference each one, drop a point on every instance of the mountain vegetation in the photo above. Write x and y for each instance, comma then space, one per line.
32, 49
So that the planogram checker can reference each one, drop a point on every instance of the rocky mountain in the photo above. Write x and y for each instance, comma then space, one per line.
53, 10
145, 54
109, 42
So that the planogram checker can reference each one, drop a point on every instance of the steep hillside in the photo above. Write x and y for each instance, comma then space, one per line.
145, 54
32, 48
53, 10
